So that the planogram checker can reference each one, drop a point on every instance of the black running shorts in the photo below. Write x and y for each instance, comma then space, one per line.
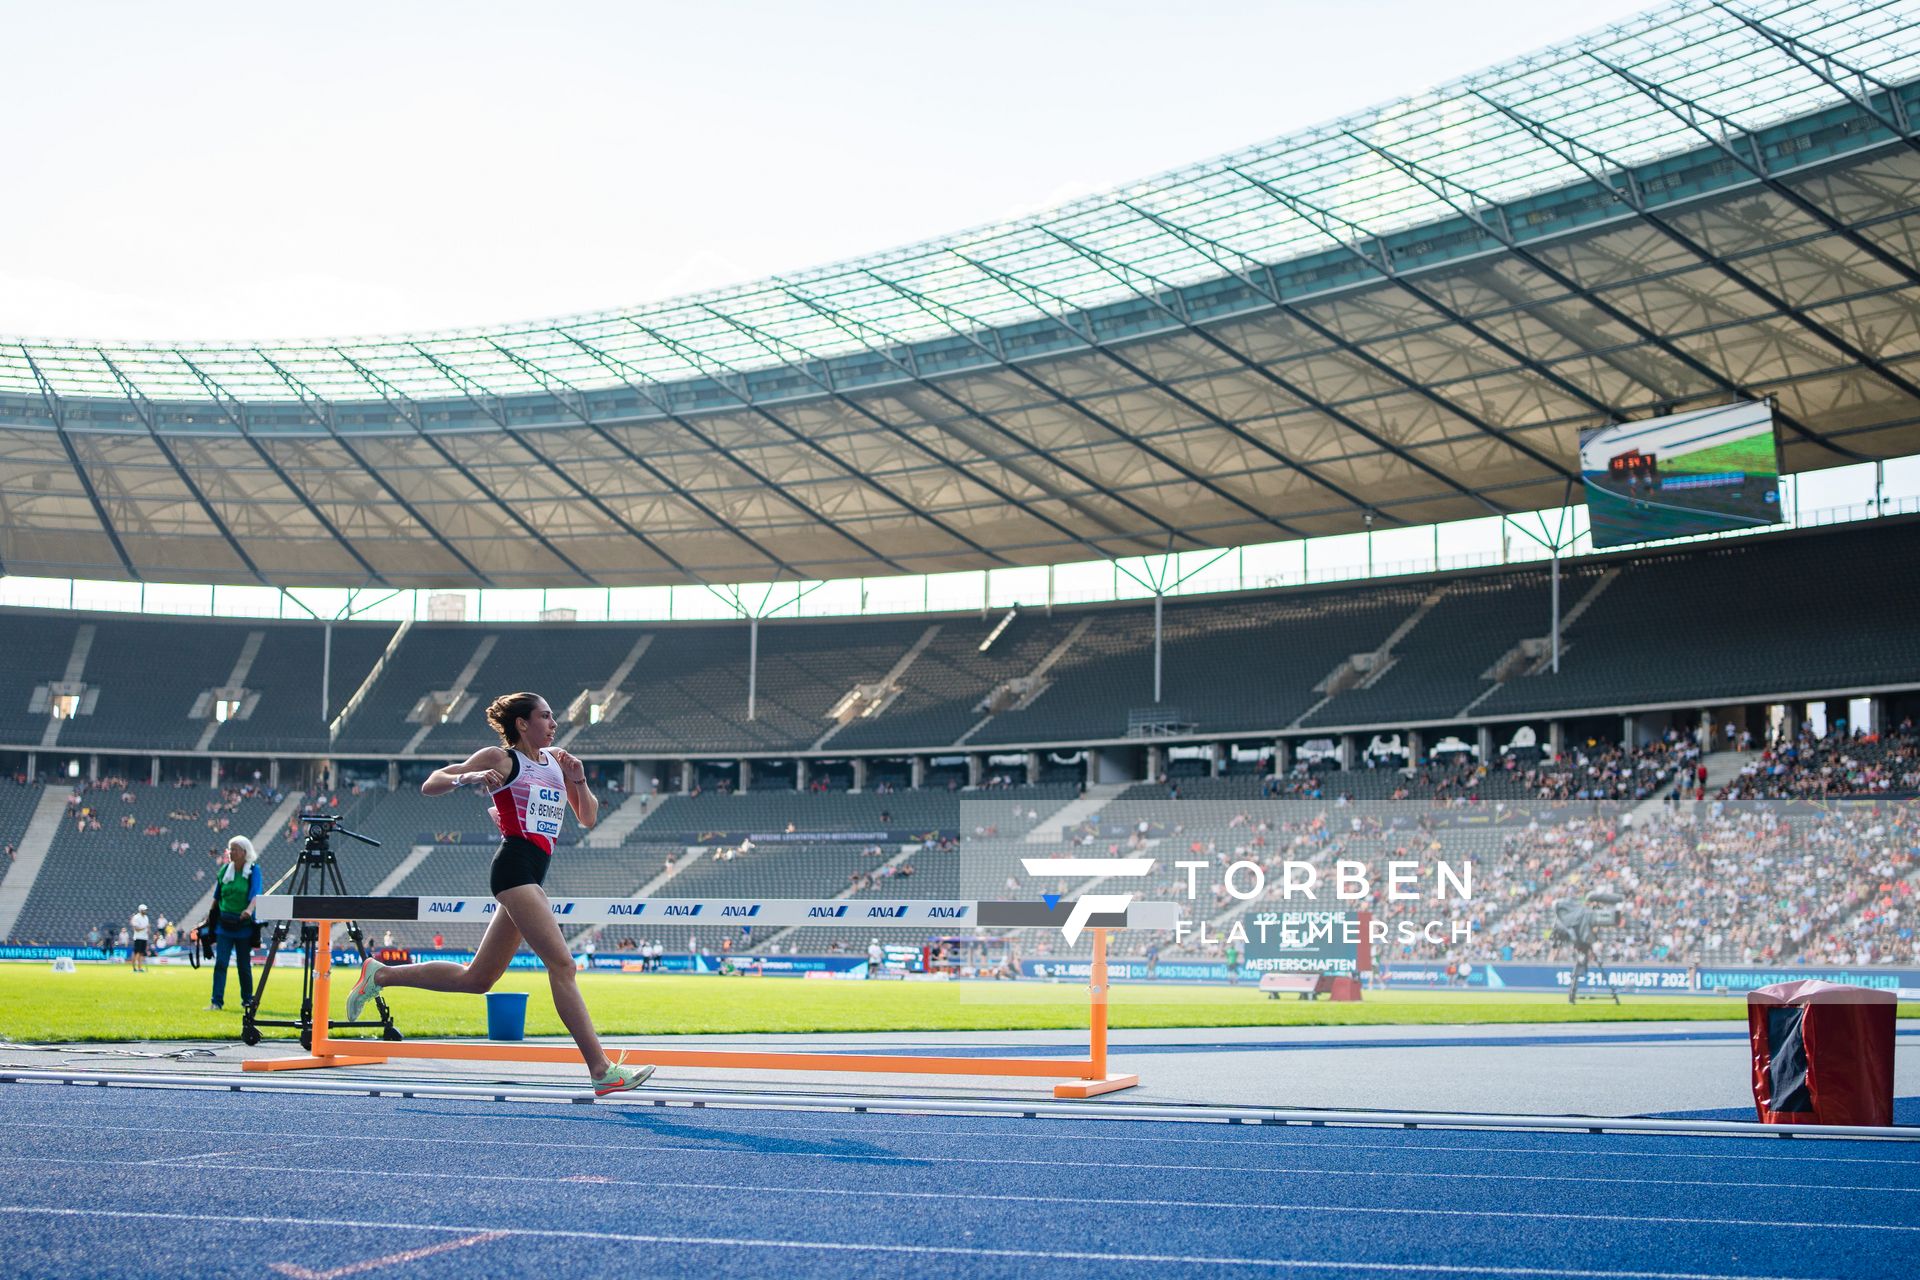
518, 861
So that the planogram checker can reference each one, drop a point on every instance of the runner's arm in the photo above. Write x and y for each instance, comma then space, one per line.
586, 805
485, 768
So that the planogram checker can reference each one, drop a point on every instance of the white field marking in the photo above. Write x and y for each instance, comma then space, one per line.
195, 1155
299, 1272
924, 1250
1310, 1170
1256, 1135
1113, 1201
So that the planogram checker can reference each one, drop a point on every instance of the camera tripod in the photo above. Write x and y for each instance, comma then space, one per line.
318, 871
1583, 957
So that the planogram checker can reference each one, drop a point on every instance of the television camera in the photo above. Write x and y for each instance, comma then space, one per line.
1578, 924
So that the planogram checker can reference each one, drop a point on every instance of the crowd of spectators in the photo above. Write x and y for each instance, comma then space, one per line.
1722, 884
91, 809
1712, 883
1600, 770
1593, 770
1838, 765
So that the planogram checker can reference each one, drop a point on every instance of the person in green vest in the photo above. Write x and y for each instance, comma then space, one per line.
234, 892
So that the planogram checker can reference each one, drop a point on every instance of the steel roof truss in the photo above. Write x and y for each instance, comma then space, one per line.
969, 332
1215, 252
708, 366
848, 325
773, 346
643, 387
576, 403
479, 397
1331, 224
144, 410
1441, 186
1823, 66
238, 419
1121, 271
324, 415
1628, 193
410, 411
58, 414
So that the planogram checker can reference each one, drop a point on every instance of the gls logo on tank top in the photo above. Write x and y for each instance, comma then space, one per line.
546, 807
533, 803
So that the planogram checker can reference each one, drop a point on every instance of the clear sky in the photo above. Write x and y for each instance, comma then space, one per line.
251, 170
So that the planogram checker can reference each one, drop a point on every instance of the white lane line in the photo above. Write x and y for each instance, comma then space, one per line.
299, 1272
1103, 1165
892, 1108
1255, 1136
846, 1246
977, 1106
196, 1155
1115, 1201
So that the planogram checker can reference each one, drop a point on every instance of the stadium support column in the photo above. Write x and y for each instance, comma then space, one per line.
1556, 739
686, 777
1483, 739
213, 775
393, 776
1156, 763
1282, 757
326, 674
800, 774
33, 766
976, 768
1416, 746
1219, 753
1159, 598
1033, 768
273, 774
1629, 732
753, 668
1349, 751
1556, 609
917, 773
93, 769
1704, 734
153, 772
746, 776
859, 773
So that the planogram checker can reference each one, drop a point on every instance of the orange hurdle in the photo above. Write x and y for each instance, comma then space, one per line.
1087, 1077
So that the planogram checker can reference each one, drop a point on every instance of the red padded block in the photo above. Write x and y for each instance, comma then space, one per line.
1822, 1053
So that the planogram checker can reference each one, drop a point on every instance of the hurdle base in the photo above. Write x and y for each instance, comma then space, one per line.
1094, 1088
308, 1063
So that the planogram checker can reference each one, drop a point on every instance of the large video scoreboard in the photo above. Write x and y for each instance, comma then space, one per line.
1688, 473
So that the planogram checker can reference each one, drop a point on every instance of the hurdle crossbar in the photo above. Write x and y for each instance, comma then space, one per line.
1086, 1077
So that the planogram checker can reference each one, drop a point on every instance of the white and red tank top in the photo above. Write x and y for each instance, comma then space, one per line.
533, 803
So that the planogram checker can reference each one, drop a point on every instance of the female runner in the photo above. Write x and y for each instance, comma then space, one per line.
527, 778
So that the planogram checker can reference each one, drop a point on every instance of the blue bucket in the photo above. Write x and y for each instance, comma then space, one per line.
506, 1015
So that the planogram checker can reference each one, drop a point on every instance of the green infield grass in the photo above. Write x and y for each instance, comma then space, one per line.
102, 1003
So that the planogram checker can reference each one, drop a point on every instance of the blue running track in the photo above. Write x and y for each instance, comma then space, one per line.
125, 1182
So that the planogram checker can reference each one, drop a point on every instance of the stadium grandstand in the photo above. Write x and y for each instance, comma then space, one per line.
1236, 508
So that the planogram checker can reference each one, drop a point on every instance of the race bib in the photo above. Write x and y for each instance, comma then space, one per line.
546, 807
